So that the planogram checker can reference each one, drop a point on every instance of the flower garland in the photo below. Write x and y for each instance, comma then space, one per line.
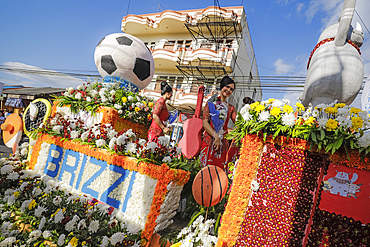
352, 159
90, 96
239, 196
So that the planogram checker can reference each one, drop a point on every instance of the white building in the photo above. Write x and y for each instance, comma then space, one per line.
198, 47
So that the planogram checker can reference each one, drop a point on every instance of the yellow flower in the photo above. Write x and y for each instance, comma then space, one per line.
331, 125
137, 109
176, 245
150, 104
299, 106
254, 105
275, 111
16, 194
32, 204
310, 120
287, 109
259, 108
354, 110
124, 99
340, 105
357, 123
73, 242
144, 103
83, 243
331, 110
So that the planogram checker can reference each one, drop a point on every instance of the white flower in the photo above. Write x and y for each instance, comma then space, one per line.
255, 185
118, 106
288, 119
344, 121
277, 103
8, 241
104, 242
74, 134
84, 135
100, 143
130, 134
93, 93
94, 226
112, 143
131, 147
141, 142
264, 116
59, 216
247, 116
7, 169
163, 140
57, 200
78, 96
47, 234
322, 122
58, 128
120, 111
121, 140
13, 176
24, 151
167, 159
6, 215
80, 87
151, 145
222, 114
118, 237
364, 141
36, 191
42, 223
39, 211
245, 108
81, 224
61, 239
130, 98
88, 99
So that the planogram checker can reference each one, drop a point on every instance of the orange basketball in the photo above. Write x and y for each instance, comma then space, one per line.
210, 186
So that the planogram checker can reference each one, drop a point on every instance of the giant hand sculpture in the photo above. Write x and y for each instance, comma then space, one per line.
335, 67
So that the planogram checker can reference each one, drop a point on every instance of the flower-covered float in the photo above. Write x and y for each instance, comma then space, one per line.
302, 179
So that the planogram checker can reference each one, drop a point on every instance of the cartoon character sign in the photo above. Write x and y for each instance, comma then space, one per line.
339, 183
346, 191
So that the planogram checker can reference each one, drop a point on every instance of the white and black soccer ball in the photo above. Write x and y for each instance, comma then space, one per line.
125, 56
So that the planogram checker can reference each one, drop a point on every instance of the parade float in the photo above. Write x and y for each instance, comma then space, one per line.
302, 177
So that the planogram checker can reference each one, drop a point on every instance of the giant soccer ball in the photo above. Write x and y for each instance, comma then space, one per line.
125, 56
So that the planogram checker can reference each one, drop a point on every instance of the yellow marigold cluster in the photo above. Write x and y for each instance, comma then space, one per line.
331, 110
331, 125
355, 110
357, 123
287, 109
275, 111
259, 108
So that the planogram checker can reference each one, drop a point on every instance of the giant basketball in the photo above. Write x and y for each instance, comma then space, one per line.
210, 186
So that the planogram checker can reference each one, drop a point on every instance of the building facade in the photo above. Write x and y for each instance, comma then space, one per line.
198, 47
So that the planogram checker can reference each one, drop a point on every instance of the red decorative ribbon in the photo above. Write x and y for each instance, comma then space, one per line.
325, 41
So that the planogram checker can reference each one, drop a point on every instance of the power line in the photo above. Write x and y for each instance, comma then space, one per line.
362, 21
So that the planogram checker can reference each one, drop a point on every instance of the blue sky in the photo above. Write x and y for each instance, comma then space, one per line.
62, 35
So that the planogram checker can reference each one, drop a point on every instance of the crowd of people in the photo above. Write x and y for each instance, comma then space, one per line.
217, 113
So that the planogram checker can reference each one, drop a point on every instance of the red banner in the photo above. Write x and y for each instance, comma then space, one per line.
346, 191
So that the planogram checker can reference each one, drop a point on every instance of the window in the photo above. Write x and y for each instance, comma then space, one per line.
169, 45
179, 82
187, 44
229, 43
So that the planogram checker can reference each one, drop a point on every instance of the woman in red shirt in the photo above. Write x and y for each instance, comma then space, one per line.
160, 114
216, 116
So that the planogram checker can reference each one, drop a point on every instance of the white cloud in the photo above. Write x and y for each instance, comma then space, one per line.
31, 76
331, 9
283, 68
300, 7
